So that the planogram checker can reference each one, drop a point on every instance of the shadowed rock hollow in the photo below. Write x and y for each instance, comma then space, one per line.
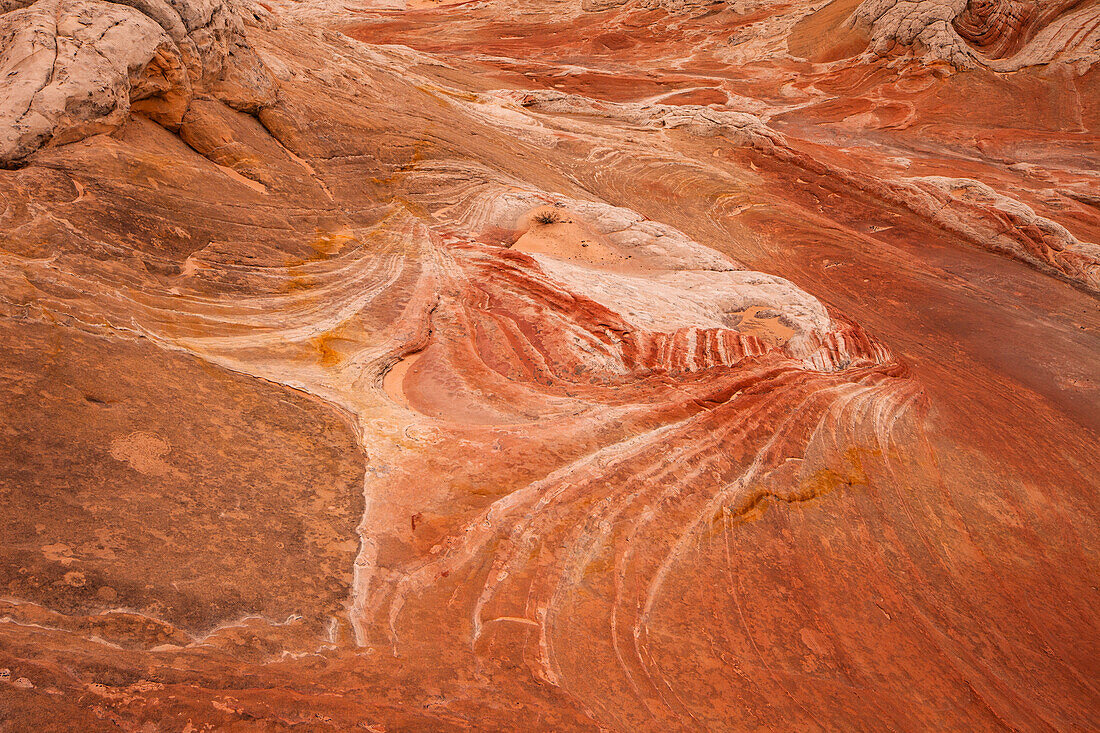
549, 365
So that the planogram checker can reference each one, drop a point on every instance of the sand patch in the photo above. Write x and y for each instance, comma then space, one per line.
393, 381
143, 451
562, 233
768, 325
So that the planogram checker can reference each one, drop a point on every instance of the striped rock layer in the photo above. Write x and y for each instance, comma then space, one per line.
549, 366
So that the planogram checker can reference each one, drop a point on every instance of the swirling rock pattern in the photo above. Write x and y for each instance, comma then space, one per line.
1003, 34
549, 366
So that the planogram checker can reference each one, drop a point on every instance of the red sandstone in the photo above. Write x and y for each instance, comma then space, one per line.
550, 365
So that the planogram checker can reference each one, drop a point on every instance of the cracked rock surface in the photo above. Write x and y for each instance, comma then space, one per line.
1002, 34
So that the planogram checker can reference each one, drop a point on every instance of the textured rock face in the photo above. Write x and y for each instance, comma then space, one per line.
549, 366
1004, 34
74, 68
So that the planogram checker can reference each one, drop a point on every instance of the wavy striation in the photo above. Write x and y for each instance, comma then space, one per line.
549, 366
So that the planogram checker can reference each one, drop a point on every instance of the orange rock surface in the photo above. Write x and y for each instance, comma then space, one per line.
550, 365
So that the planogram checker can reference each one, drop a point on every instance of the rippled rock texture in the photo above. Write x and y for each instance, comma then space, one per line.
549, 365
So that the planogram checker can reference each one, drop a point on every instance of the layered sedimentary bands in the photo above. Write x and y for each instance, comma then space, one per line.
549, 365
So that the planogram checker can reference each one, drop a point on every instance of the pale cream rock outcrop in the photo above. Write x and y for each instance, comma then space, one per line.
740, 128
672, 6
1064, 31
978, 212
74, 68
909, 22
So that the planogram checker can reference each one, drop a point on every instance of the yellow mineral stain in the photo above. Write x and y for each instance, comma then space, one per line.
325, 346
815, 486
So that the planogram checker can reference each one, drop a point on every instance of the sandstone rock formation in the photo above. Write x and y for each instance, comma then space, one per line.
549, 365
1003, 34
74, 68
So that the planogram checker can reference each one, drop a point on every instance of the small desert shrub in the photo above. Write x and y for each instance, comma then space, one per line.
546, 217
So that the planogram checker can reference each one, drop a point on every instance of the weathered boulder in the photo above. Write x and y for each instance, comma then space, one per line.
1004, 35
74, 68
